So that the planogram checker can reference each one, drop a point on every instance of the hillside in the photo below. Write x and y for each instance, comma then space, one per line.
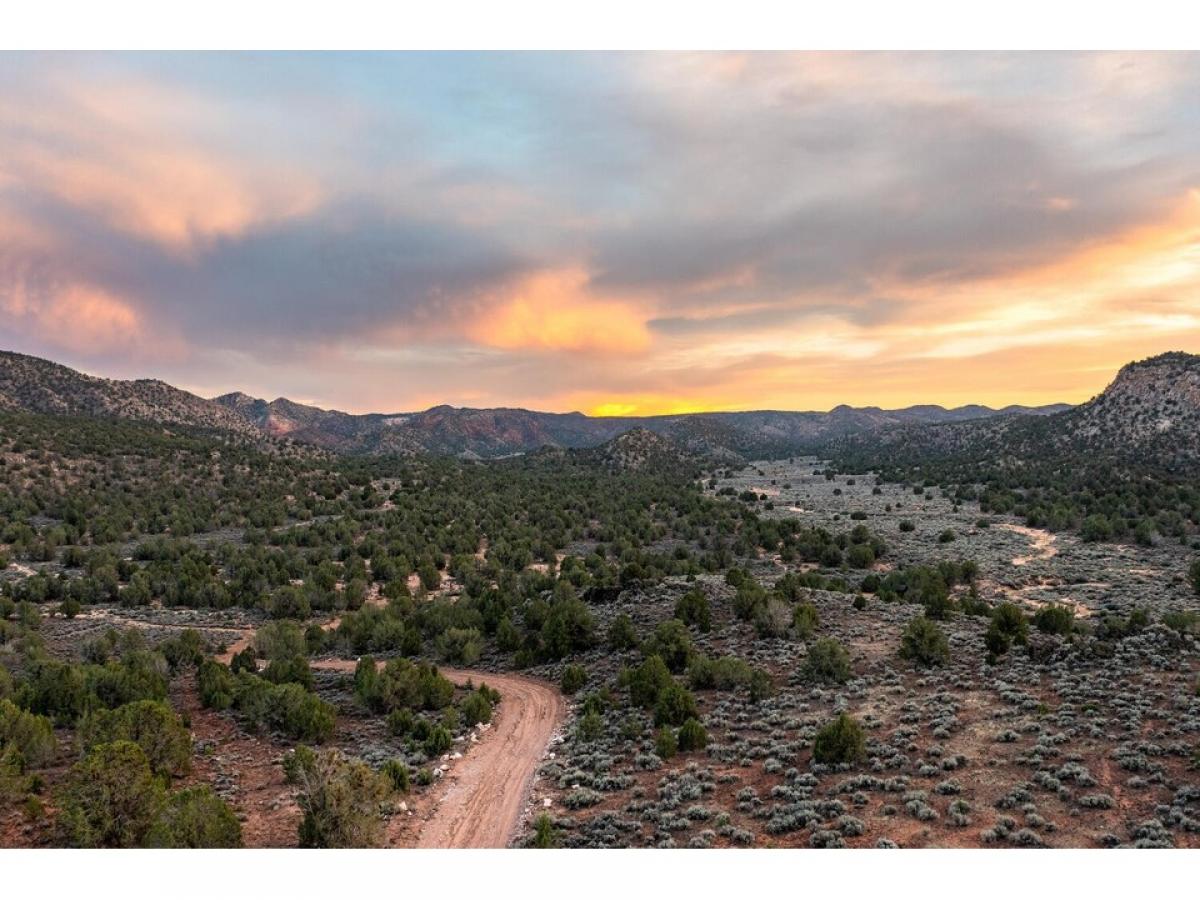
1152, 405
1149, 416
642, 450
38, 385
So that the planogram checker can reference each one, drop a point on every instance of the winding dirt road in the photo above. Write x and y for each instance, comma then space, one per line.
483, 794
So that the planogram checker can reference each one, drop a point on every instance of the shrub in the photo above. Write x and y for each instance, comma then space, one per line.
589, 727
860, 556
1055, 619
996, 642
805, 620
396, 772
302, 715
439, 741
924, 643
574, 677
185, 649
31, 735
366, 679
1096, 527
675, 705
400, 721
840, 741
1185, 622
568, 627
906, 525
621, 635
1113, 627
340, 799
245, 660
110, 799
671, 643
827, 662
1194, 576
693, 609
460, 645
1008, 619
216, 685
723, 674
294, 670
152, 725
279, 640
508, 638
772, 618
665, 743
692, 736
295, 762
195, 818
749, 598
403, 684
647, 681
544, 834
476, 708
947, 536
760, 686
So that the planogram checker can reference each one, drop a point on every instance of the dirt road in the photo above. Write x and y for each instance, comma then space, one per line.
1041, 543
484, 793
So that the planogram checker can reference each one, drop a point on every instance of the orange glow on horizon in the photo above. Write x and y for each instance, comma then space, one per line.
553, 311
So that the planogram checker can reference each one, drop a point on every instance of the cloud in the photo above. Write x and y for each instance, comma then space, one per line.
75, 318
130, 153
609, 232
552, 311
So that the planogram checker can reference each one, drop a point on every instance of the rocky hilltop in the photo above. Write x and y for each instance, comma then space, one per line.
1149, 415
1154, 401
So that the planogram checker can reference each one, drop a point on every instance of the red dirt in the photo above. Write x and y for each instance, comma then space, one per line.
484, 794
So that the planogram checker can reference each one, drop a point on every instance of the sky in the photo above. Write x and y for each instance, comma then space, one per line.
621, 233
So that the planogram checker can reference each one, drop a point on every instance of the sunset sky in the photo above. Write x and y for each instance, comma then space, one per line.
613, 233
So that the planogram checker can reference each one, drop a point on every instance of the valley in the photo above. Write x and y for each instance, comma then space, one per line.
637, 643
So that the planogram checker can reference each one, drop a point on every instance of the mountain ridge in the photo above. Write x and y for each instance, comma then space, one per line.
38, 385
